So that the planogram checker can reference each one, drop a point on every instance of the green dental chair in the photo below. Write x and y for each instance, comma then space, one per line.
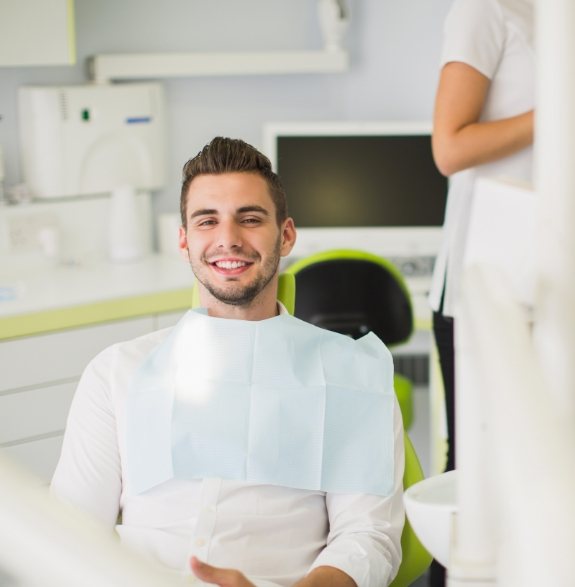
415, 559
354, 292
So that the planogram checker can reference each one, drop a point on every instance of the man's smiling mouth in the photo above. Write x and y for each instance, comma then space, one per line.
231, 264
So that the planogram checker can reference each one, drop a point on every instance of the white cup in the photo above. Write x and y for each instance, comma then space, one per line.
49, 240
125, 238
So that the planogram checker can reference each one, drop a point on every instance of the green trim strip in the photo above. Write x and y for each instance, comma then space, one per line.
71, 32
75, 316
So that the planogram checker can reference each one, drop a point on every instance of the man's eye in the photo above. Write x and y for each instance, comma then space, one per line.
251, 220
207, 222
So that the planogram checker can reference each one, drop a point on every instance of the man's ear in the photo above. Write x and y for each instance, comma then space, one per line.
289, 236
183, 243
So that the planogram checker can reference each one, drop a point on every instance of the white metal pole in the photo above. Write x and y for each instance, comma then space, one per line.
555, 185
472, 556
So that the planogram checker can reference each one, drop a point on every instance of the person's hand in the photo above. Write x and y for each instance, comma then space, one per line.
217, 576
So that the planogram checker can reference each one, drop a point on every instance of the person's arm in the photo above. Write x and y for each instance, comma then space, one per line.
459, 139
88, 474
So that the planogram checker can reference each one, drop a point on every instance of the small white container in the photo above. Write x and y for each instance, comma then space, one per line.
125, 230
49, 240
333, 23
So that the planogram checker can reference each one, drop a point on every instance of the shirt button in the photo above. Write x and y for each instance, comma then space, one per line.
200, 542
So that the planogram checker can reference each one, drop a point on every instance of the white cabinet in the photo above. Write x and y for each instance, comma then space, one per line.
37, 32
38, 376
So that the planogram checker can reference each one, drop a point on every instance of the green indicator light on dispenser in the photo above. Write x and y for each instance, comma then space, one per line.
86, 115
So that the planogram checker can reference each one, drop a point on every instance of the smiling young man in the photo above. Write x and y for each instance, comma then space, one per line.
243, 447
234, 239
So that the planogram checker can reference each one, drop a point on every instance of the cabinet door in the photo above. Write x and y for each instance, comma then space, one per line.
29, 414
37, 381
37, 32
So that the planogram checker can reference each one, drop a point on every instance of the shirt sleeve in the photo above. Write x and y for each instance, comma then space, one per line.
88, 474
364, 539
474, 33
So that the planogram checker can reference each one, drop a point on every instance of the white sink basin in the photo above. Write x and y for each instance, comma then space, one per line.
430, 506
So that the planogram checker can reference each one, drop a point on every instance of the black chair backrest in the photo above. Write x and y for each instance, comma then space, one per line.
353, 297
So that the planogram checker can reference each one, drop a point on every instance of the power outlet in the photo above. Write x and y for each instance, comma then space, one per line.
23, 230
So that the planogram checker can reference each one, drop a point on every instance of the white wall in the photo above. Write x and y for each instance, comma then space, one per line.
394, 46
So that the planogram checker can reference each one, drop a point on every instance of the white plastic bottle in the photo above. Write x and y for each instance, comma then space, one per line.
125, 238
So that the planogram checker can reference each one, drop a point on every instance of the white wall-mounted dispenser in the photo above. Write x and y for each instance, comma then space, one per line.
90, 139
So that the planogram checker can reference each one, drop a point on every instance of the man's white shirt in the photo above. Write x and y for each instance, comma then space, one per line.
274, 535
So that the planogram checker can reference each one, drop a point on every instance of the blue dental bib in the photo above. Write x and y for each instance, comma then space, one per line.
276, 401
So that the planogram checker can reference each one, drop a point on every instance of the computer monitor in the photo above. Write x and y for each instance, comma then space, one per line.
370, 185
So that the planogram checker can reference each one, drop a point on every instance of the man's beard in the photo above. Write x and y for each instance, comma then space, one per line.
242, 295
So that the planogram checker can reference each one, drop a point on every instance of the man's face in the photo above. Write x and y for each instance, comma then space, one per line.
232, 239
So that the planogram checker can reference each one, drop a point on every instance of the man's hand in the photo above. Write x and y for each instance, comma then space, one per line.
216, 576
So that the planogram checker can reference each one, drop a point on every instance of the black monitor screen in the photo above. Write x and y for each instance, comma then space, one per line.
367, 180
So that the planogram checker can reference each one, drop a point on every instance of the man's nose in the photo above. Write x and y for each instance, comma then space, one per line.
229, 236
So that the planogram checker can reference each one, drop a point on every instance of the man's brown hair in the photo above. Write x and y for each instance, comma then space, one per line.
224, 155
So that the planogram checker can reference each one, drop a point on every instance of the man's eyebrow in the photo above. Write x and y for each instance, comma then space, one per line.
253, 208
242, 210
203, 212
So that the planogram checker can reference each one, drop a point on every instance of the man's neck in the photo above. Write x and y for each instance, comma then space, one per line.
258, 309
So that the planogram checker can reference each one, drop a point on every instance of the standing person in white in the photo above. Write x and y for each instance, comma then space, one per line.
243, 446
483, 126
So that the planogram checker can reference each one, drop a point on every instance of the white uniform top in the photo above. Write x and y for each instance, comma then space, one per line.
496, 38
274, 534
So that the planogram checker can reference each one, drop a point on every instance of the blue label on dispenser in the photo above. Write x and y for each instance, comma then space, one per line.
138, 120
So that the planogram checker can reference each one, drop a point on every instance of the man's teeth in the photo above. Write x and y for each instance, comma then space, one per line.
230, 264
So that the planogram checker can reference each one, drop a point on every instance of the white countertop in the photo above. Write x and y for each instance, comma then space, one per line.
38, 286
